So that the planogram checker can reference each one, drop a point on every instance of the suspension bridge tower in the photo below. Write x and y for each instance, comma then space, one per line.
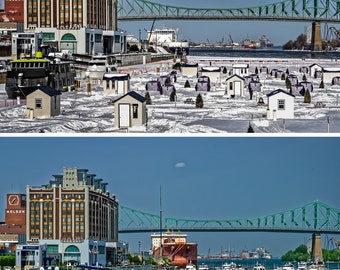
316, 37
316, 248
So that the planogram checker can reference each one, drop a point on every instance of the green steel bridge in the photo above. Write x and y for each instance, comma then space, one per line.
288, 10
315, 217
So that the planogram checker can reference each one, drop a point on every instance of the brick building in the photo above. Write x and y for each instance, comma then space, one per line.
13, 230
75, 218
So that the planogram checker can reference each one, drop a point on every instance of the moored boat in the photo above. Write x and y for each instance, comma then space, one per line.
258, 266
302, 266
203, 266
190, 266
288, 266
100, 65
176, 248
22, 74
229, 266
167, 37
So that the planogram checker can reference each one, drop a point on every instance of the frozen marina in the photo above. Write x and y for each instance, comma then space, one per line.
83, 113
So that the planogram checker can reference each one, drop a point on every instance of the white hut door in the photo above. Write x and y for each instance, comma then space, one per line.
120, 87
237, 88
124, 115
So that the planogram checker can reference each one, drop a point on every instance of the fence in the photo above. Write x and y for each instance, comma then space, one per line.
11, 102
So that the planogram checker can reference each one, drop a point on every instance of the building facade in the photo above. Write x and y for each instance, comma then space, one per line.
13, 230
70, 14
73, 217
75, 26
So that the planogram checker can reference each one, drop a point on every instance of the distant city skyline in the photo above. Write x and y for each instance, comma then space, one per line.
201, 178
209, 31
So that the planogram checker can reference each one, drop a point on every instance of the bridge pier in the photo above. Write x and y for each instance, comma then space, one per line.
316, 248
316, 37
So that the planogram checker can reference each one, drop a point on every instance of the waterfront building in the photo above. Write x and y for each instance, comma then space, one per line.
13, 230
72, 219
77, 26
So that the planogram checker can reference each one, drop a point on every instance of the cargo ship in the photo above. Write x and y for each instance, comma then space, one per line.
167, 38
174, 247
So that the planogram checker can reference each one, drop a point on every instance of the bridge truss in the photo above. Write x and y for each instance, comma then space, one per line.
289, 10
313, 217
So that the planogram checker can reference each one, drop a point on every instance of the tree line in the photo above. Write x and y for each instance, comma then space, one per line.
301, 254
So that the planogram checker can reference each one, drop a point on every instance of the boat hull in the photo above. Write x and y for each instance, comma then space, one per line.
179, 254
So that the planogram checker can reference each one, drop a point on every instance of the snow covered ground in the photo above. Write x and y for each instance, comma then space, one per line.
82, 113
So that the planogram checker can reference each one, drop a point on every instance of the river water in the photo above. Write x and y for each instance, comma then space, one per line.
249, 263
275, 52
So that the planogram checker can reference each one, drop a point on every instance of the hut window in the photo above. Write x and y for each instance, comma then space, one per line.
281, 104
135, 110
38, 103
231, 86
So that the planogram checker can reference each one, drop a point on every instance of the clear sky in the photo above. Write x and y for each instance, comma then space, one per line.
215, 31
201, 178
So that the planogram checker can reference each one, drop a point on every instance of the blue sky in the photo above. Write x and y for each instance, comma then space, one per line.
214, 31
201, 178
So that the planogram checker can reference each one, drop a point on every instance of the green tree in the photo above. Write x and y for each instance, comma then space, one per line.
224, 70
187, 84
304, 77
173, 95
287, 71
250, 129
134, 259
322, 85
283, 77
288, 84
7, 260
307, 97
199, 101
299, 254
148, 98
256, 70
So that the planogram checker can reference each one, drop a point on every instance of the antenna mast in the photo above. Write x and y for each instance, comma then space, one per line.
160, 221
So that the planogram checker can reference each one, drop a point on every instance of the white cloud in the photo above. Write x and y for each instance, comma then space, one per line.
180, 165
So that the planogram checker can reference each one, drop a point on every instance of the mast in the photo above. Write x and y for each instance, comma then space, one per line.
160, 222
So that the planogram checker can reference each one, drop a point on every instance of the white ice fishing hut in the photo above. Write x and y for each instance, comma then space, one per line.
43, 101
313, 68
130, 110
280, 105
329, 73
235, 86
115, 83
189, 70
240, 69
214, 73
